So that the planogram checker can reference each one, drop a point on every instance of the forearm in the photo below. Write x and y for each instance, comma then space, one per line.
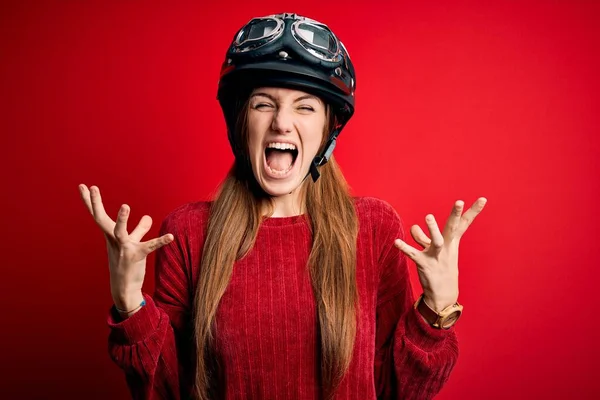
423, 357
144, 347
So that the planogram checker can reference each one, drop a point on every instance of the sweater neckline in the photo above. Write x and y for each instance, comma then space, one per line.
284, 221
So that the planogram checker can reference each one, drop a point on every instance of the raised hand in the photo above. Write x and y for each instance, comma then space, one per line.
126, 253
437, 263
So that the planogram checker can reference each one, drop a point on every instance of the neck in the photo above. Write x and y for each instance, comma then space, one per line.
288, 205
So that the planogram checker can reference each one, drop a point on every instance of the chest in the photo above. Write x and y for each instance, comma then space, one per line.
270, 298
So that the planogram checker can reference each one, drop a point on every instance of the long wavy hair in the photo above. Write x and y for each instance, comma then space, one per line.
332, 260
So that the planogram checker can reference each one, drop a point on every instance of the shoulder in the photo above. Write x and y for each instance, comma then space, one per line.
189, 215
378, 212
369, 204
379, 224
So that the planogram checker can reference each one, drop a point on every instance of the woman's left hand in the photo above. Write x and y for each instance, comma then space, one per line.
437, 264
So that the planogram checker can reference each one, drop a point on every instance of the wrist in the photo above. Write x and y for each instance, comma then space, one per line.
443, 319
128, 301
439, 303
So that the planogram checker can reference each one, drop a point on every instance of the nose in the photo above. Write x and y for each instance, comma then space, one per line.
283, 121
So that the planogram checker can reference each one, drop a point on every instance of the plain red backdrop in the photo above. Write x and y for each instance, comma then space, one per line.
454, 101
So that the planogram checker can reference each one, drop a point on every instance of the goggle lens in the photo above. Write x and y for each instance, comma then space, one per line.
317, 36
257, 30
317, 40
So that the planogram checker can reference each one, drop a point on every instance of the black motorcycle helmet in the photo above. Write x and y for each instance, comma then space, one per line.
291, 51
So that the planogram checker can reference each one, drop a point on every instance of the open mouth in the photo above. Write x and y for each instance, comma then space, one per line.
280, 157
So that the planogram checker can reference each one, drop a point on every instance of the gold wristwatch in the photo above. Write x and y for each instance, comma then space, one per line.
440, 320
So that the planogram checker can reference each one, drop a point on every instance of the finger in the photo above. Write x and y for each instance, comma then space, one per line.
85, 196
437, 240
155, 244
121, 225
419, 236
407, 249
471, 213
102, 219
453, 222
141, 229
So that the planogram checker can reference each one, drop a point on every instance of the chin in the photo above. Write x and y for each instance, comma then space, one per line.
278, 190
281, 184
277, 187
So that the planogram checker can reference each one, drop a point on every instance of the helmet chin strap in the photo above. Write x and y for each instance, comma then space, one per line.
321, 159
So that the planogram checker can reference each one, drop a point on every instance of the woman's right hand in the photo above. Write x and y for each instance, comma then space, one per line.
126, 253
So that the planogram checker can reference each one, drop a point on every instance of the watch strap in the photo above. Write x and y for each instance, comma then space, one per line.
435, 319
430, 316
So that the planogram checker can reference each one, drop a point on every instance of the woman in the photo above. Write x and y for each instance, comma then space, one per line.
284, 286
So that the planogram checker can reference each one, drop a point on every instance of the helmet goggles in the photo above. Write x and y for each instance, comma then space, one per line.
309, 38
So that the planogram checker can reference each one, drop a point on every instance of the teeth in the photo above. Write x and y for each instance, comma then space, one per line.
277, 172
281, 146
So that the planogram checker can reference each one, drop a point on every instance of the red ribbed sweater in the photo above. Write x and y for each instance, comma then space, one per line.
267, 343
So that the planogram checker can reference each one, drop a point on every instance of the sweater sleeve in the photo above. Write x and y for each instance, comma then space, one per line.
153, 347
413, 360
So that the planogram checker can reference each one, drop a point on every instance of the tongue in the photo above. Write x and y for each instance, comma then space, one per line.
279, 160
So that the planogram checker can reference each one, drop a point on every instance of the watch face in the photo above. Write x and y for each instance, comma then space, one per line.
451, 319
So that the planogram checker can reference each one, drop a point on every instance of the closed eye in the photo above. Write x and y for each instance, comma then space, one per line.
263, 105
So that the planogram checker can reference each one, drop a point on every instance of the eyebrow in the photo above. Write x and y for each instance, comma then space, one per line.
303, 97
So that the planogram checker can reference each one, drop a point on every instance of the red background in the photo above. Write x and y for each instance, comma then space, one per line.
454, 101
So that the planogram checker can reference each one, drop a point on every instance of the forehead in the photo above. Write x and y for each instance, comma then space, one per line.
283, 94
